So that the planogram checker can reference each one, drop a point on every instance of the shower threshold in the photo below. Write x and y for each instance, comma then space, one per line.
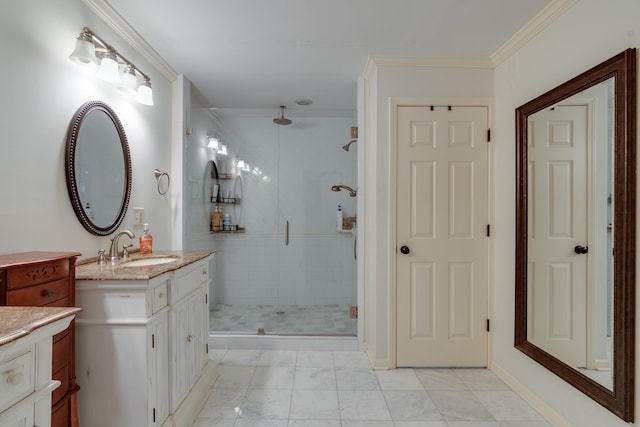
280, 320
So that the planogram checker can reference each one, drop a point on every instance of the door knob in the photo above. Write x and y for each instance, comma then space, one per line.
405, 250
581, 249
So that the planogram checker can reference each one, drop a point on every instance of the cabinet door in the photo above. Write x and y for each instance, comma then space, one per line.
188, 346
21, 415
159, 369
179, 352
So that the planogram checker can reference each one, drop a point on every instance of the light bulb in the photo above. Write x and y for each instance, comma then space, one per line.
214, 143
85, 51
109, 71
145, 95
129, 81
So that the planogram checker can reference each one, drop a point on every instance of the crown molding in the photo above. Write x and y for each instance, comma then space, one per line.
126, 31
432, 61
543, 19
404, 61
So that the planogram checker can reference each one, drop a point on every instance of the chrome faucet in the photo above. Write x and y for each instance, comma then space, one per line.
113, 250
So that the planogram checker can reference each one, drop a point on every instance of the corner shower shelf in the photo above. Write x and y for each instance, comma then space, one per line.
226, 200
242, 230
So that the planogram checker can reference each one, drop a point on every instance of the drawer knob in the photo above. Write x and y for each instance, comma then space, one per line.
204, 272
189, 338
14, 377
48, 293
161, 295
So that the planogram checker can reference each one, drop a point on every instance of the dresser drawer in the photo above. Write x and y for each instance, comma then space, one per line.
60, 414
61, 350
16, 379
63, 376
44, 294
3, 288
35, 274
185, 283
160, 297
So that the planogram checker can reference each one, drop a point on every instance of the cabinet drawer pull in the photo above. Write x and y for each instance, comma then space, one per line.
14, 377
48, 293
189, 338
161, 295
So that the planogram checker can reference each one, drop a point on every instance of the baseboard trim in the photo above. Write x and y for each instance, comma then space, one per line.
550, 414
376, 364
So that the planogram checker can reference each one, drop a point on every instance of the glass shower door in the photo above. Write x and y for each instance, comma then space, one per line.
316, 283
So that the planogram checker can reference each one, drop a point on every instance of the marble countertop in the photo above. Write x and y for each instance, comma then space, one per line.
17, 322
90, 270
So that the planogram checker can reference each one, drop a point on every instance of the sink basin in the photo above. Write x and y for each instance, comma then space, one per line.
141, 262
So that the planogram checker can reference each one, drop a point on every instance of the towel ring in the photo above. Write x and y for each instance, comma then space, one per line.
159, 174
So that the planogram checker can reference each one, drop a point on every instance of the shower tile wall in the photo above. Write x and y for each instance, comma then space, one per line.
301, 163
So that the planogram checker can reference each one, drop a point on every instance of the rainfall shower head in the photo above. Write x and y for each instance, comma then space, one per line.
352, 192
282, 120
346, 147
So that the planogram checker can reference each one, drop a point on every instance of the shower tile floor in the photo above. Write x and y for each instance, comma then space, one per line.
330, 320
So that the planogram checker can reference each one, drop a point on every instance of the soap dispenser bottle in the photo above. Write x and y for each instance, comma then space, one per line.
146, 241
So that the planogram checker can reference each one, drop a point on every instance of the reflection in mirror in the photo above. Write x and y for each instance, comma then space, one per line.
98, 167
570, 229
575, 210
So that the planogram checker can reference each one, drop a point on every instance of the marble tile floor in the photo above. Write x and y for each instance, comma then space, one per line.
315, 320
272, 388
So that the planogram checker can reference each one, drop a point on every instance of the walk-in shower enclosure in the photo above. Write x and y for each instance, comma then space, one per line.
288, 270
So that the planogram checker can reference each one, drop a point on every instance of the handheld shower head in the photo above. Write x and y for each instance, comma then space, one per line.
346, 147
352, 192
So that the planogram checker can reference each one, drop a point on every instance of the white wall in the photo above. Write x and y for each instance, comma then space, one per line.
385, 82
588, 33
41, 91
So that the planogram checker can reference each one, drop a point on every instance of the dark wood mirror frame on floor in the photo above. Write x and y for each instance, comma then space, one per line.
622, 67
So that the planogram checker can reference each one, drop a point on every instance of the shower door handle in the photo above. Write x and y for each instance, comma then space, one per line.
286, 233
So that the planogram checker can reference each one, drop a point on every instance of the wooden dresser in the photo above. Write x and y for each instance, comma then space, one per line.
47, 279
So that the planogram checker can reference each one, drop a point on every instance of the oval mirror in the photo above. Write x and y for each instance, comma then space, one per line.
98, 168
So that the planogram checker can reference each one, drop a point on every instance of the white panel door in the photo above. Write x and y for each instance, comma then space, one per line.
557, 224
442, 217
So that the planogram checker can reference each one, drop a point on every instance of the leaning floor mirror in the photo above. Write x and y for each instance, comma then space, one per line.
575, 231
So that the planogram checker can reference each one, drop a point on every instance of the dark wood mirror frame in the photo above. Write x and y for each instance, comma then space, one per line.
622, 68
70, 167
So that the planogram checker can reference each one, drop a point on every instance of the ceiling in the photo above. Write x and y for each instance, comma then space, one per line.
266, 53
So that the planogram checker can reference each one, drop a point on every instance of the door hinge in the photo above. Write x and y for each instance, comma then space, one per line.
207, 347
154, 415
488, 325
488, 135
153, 340
206, 298
488, 230
353, 312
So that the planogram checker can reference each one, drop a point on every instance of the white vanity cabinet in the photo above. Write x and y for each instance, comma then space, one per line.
122, 352
141, 346
26, 346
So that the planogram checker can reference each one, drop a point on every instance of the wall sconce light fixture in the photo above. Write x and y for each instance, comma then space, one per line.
92, 51
214, 143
